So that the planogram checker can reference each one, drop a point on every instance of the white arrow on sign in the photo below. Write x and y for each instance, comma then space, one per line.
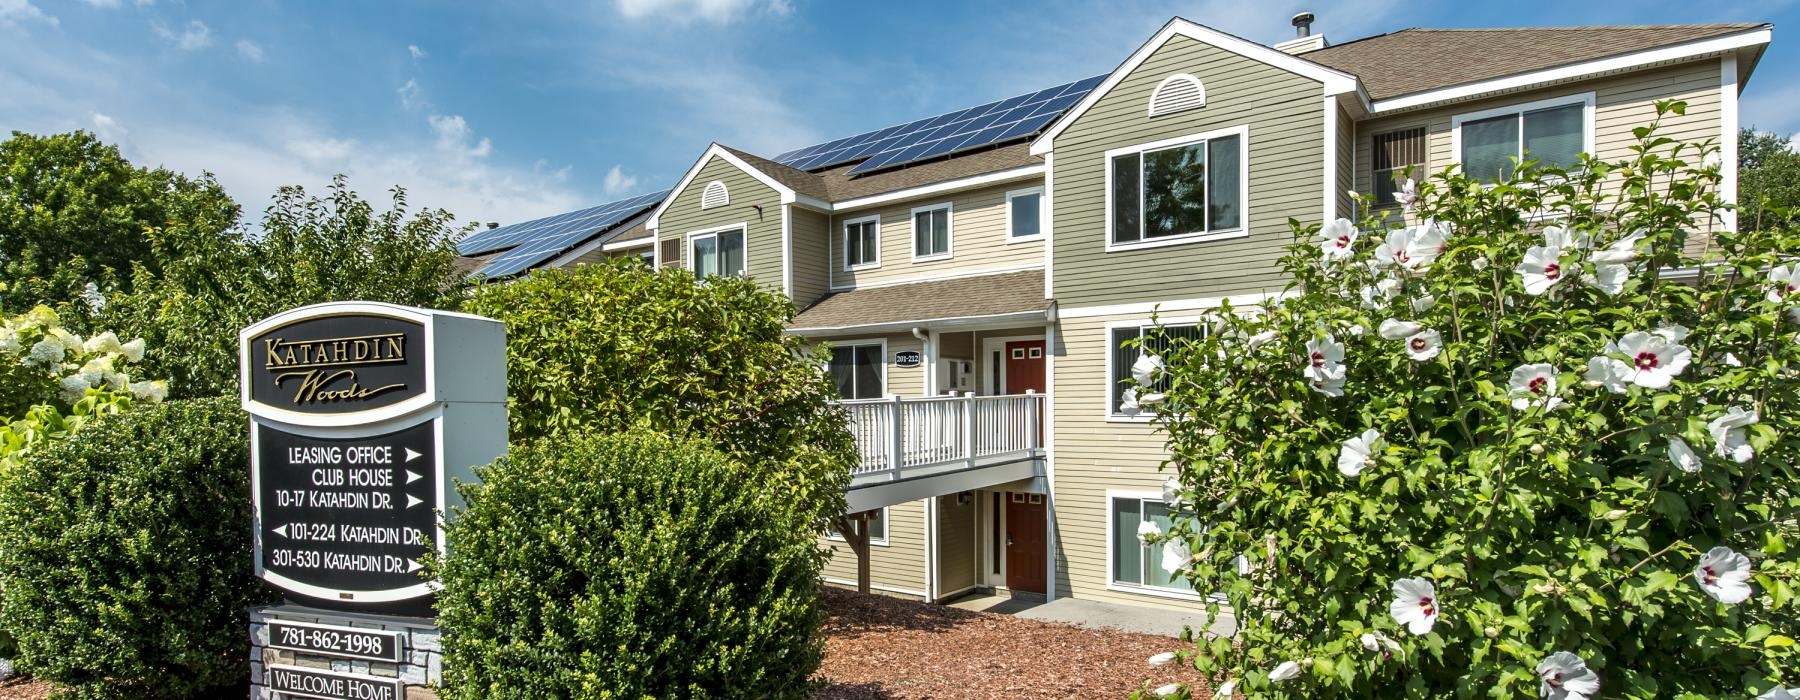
412, 476
412, 454
412, 500
281, 530
413, 565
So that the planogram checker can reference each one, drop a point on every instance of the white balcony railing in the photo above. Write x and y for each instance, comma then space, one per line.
900, 437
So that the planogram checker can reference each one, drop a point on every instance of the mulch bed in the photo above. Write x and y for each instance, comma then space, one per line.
24, 689
883, 647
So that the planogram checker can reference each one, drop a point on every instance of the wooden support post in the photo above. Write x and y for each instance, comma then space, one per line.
855, 529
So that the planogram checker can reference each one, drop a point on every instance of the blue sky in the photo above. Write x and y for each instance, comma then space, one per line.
508, 111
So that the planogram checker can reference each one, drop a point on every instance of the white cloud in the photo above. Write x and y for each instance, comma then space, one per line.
618, 183
715, 11
14, 12
193, 37
249, 50
417, 53
109, 129
411, 95
454, 135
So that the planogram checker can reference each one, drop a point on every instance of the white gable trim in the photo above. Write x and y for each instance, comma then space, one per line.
788, 195
1335, 82
1729, 42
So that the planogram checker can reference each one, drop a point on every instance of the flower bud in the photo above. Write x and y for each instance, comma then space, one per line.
1491, 631
1615, 514
1537, 448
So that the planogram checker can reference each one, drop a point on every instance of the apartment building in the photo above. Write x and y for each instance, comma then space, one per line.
975, 272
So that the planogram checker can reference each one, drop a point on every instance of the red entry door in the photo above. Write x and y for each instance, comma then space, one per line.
1024, 366
1025, 542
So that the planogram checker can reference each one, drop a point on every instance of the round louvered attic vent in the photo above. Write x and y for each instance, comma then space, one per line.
1177, 93
715, 195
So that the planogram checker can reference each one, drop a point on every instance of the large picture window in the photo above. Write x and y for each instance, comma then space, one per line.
717, 253
1156, 341
1552, 132
1192, 188
856, 370
862, 243
1134, 563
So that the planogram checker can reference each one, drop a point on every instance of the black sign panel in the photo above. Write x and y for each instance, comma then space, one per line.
314, 683
338, 364
339, 516
348, 642
906, 358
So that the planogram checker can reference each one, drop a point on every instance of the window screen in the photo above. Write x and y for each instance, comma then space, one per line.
1134, 562
1157, 341
1398, 155
931, 232
856, 370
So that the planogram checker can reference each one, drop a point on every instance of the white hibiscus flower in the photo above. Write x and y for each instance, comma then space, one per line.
1393, 249
1534, 385
1148, 532
1286, 670
1359, 453
1423, 304
1337, 240
1378, 294
1328, 381
1425, 345
1724, 575
1261, 339
1396, 329
1565, 237
1415, 605
1542, 268
1176, 555
1784, 283
1171, 491
1167, 691
1730, 438
1780, 693
1653, 360
1408, 195
1621, 251
1608, 278
1683, 456
1480, 263
1162, 660
1148, 367
1323, 353
1607, 372
1426, 244
1564, 676
1673, 334
1226, 689
1378, 642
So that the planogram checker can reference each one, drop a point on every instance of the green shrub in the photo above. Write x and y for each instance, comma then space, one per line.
125, 554
605, 348
626, 566
1441, 467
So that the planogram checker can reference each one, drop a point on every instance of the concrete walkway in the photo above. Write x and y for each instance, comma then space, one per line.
1101, 615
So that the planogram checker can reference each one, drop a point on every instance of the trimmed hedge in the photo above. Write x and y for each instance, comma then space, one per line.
627, 566
125, 554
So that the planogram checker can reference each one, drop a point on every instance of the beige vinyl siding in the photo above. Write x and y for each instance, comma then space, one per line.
762, 235
1621, 103
1093, 455
1285, 116
1346, 165
598, 255
809, 230
956, 544
978, 240
898, 566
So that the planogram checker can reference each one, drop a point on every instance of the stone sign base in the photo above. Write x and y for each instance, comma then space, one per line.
331, 675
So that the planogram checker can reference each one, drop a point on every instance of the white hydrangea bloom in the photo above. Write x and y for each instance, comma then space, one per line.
9, 341
134, 350
47, 351
105, 342
151, 391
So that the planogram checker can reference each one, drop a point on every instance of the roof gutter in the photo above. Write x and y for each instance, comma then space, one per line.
1047, 315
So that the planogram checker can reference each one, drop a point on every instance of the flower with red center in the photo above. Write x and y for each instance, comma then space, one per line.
1653, 359
1542, 268
1534, 386
1336, 239
1724, 575
1415, 605
1565, 676
1785, 281
1424, 345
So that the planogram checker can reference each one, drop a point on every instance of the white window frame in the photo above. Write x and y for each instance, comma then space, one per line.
887, 532
912, 222
688, 251
1241, 131
1106, 400
886, 361
1010, 237
1112, 582
845, 238
1586, 99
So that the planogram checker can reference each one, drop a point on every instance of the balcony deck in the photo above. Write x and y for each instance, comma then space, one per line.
914, 448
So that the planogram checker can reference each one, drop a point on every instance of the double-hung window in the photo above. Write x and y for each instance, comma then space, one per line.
1551, 132
717, 253
931, 232
1156, 341
856, 370
1135, 564
1174, 190
1025, 214
862, 243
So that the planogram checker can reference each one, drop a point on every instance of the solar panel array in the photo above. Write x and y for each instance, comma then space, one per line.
538, 240
988, 124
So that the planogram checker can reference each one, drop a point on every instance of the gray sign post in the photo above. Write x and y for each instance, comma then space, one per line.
363, 416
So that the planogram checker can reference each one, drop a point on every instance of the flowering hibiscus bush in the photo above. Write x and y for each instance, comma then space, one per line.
52, 381
1539, 442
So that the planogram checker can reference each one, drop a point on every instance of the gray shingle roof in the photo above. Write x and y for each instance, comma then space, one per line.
987, 295
1417, 60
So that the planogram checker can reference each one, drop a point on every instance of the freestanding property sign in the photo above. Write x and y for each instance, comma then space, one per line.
363, 416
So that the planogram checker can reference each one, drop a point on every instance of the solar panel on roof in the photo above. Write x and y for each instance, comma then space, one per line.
545, 238
944, 134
